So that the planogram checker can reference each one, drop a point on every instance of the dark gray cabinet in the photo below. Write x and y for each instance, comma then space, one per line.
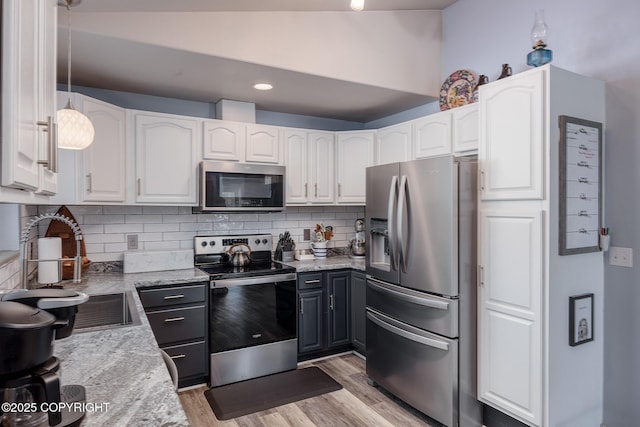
178, 318
324, 319
358, 311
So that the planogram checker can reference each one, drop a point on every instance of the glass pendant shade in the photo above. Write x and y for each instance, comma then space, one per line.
357, 5
75, 130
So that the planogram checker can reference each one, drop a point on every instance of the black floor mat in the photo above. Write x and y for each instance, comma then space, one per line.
246, 397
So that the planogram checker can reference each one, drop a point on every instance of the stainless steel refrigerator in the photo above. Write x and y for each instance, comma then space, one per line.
421, 278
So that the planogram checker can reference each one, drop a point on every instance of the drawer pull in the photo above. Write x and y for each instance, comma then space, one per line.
174, 296
178, 356
174, 319
309, 282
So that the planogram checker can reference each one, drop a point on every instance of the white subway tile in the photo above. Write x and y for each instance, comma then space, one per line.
115, 247
168, 219
85, 210
171, 244
125, 210
93, 248
228, 226
178, 236
196, 226
164, 210
103, 219
299, 216
143, 219
104, 238
243, 217
285, 224
123, 228
186, 244
211, 217
150, 237
153, 228
106, 257
92, 228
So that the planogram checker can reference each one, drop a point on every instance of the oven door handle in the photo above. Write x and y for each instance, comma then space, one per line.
256, 280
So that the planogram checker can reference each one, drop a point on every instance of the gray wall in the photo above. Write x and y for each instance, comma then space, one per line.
597, 39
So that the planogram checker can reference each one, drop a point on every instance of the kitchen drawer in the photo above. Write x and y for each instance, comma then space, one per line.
310, 281
180, 324
190, 359
165, 297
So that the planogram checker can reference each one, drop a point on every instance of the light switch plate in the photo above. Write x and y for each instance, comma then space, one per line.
132, 241
622, 257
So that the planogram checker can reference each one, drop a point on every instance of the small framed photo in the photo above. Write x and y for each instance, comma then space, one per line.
580, 319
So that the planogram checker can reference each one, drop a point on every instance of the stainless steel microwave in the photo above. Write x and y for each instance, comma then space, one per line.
233, 187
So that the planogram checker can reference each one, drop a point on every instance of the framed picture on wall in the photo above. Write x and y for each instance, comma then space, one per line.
580, 185
580, 319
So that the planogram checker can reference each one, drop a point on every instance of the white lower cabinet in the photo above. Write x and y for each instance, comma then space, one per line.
166, 158
510, 309
354, 155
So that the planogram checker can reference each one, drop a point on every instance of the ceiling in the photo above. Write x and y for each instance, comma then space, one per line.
142, 68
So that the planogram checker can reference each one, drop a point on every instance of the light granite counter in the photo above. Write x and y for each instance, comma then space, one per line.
329, 263
122, 367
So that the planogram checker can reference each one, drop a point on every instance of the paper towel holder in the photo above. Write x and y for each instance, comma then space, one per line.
77, 268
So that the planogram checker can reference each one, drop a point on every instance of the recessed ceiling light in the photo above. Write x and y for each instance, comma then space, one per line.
357, 5
262, 86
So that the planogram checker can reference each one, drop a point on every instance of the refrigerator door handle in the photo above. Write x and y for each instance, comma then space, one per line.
408, 335
393, 191
440, 305
400, 224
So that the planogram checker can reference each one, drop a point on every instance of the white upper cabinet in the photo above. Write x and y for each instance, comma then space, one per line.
223, 140
322, 167
465, 129
29, 147
393, 144
166, 152
432, 135
102, 165
263, 144
354, 155
511, 138
296, 161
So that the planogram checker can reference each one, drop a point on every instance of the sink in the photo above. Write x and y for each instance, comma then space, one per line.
107, 311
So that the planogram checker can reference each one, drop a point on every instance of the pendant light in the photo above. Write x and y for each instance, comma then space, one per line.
357, 5
75, 130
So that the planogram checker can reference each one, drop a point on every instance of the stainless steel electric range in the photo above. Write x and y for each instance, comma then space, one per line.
252, 310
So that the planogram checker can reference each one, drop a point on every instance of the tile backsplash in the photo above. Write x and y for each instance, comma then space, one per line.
105, 228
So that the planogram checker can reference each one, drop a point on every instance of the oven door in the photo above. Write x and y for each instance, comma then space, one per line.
252, 327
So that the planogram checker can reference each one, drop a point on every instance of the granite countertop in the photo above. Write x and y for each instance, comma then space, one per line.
122, 367
329, 263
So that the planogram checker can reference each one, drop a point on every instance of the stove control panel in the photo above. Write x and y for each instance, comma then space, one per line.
210, 245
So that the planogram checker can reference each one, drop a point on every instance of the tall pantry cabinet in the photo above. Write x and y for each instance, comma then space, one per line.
526, 367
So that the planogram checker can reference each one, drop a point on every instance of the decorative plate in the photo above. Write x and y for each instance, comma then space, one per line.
457, 89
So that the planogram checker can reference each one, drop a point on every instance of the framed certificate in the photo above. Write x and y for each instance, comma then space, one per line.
580, 185
580, 319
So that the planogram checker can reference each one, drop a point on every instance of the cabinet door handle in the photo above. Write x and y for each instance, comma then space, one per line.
54, 148
174, 296
174, 319
481, 276
482, 179
305, 190
310, 282
316, 190
139, 185
331, 306
50, 162
301, 306
178, 356
339, 190
89, 183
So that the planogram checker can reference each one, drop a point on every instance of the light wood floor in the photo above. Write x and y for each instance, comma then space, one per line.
357, 404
